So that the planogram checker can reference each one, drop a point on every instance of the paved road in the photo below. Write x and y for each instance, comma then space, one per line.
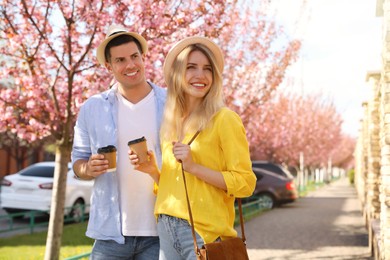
327, 224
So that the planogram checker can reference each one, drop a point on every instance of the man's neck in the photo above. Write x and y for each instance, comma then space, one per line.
136, 93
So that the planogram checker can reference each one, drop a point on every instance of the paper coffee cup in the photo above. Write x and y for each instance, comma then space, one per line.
139, 147
109, 153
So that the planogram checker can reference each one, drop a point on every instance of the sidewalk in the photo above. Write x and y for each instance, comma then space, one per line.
326, 224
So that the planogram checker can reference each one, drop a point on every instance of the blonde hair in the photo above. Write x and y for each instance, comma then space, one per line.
173, 127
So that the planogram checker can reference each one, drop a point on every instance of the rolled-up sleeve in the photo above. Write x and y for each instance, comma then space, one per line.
239, 177
81, 142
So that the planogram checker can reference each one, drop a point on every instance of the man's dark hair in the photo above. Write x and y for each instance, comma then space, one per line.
121, 39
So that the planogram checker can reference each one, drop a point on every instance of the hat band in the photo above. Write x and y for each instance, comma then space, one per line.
115, 33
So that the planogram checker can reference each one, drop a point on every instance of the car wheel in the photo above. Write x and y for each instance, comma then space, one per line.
266, 201
77, 213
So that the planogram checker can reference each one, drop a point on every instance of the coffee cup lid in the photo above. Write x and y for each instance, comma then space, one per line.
138, 140
107, 149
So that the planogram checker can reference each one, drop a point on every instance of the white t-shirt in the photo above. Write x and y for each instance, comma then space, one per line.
136, 188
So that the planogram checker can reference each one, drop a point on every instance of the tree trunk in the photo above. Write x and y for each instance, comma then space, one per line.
54, 234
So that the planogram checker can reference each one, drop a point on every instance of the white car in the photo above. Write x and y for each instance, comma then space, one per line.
31, 189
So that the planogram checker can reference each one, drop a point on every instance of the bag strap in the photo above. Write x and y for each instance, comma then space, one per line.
196, 248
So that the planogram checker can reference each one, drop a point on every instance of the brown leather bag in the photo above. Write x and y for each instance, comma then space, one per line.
228, 249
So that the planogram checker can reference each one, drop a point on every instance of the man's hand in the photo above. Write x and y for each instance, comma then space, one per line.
94, 167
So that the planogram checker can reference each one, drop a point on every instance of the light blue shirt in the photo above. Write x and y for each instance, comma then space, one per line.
96, 127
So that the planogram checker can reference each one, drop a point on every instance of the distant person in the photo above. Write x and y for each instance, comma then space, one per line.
217, 164
121, 218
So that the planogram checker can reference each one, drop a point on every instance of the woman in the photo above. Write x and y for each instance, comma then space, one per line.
217, 164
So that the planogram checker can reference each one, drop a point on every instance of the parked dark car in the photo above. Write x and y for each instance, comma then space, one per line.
272, 167
273, 189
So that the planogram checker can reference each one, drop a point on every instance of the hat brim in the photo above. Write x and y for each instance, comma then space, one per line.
181, 45
100, 50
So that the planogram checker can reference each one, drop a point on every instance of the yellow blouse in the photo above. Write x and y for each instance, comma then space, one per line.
222, 147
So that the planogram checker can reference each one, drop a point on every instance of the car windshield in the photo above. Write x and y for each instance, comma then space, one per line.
38, 171
271, 168
279, 169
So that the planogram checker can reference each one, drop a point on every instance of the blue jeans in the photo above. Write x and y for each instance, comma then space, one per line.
135, 248
176, 242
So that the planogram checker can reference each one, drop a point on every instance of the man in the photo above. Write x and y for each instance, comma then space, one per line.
121, 217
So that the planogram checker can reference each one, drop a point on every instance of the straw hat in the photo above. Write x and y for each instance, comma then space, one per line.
113, 32
181, 45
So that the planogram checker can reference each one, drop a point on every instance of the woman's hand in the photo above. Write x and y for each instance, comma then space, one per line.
150, 167
182, 153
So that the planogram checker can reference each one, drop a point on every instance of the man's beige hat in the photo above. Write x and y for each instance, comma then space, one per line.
181, 45
113, 32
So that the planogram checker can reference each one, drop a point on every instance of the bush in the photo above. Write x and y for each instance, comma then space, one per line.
351, 175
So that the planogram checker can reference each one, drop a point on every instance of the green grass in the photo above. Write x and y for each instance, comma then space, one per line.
26, 247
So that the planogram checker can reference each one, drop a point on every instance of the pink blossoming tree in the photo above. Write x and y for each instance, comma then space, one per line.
49, 60
291, 124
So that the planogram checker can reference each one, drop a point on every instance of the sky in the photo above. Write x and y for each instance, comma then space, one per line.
341, 43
